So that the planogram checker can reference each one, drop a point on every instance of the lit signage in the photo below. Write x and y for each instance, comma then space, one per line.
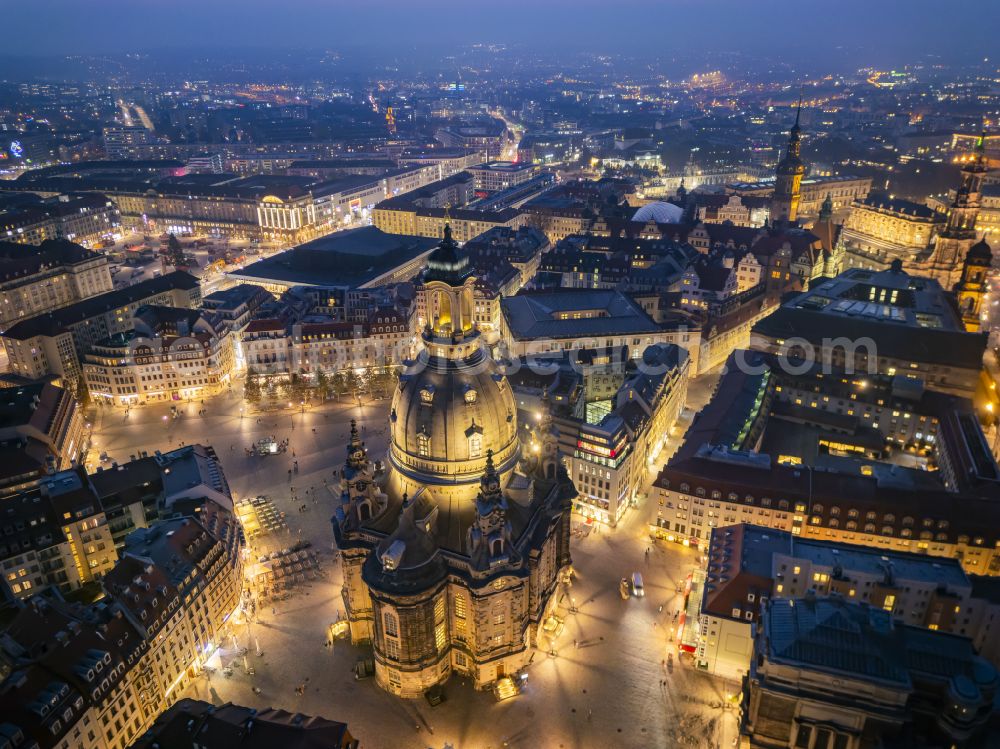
16, 149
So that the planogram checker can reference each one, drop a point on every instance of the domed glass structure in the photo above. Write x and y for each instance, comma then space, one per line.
459, 520
661, 213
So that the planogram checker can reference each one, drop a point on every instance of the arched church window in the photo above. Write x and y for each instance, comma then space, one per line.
475, 445
391, 624
423, 445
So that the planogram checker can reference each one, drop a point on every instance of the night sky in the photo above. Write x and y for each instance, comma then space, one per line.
842, 33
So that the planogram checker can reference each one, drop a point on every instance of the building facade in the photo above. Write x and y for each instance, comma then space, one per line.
826, 457
55, 343
879, 230
171, 354
55, 274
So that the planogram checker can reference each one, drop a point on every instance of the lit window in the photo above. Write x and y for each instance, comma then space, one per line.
391, 624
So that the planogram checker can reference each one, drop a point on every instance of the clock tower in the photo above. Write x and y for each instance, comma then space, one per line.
788, 178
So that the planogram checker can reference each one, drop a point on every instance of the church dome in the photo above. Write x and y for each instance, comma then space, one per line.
446, 414
661, 213
981, 250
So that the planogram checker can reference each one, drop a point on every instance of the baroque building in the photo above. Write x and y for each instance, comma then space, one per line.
452, 547
957, 237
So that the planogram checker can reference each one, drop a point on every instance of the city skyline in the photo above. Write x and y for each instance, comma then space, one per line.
807, 34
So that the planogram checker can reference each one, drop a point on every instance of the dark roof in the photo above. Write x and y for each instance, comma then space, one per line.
893, 340
347, 258
532, 315
832, 635
18, 404
60, 319
898, 205
18, 260
192, 723
235, 296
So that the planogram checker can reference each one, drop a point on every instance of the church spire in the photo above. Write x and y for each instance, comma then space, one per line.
489, 484
357, 456
788, 177
795, 134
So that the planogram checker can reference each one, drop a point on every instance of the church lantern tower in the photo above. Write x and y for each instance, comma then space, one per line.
971, 289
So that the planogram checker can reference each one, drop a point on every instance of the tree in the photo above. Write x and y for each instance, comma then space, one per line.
82, 392
353, 382
296, 388
322, 384
251, 387
339, 384
175, 252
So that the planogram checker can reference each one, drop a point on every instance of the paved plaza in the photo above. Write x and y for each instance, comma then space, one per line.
601, 680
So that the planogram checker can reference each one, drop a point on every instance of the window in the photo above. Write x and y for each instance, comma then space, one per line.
423, 445
391, 624
475, 445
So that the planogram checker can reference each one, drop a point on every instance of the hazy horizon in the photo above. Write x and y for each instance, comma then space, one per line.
842, 35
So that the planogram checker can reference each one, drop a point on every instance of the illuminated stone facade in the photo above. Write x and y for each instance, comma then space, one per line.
453, 548
880, 230
946, 260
